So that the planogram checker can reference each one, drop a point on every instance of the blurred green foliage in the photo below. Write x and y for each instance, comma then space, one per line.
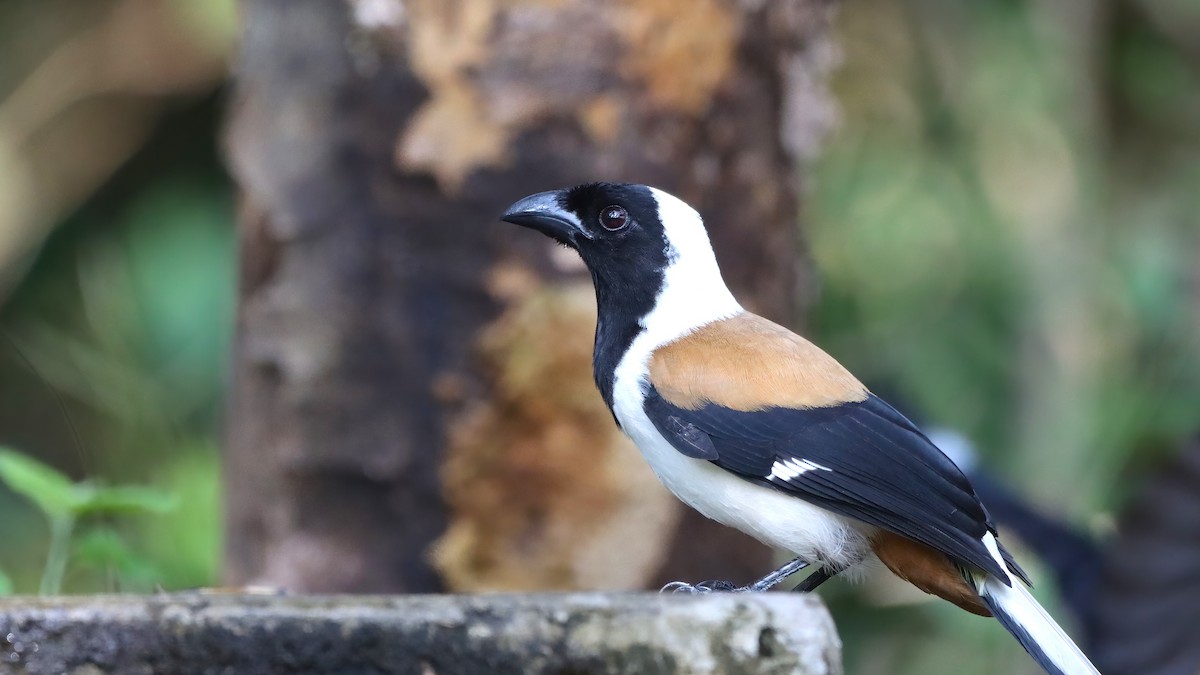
57, 497
126, 315
64, 504
115, 329
1007, 231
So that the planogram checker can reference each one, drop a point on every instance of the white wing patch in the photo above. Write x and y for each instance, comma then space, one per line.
793, 467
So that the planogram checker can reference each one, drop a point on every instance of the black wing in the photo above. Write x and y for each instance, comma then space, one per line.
863, 460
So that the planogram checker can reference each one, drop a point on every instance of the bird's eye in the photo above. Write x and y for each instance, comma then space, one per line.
614, 218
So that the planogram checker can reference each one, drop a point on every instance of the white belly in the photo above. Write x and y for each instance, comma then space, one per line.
774, 518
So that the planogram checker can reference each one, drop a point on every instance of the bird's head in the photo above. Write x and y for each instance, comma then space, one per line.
609, 224
649, 256
645, 248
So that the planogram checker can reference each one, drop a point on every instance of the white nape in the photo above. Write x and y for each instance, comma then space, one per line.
693, 293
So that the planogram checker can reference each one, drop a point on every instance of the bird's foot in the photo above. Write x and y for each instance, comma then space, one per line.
764, 584
703, 587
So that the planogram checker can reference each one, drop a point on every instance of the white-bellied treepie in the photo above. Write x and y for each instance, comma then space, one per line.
757, 428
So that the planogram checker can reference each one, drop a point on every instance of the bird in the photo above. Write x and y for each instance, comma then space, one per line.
758, 429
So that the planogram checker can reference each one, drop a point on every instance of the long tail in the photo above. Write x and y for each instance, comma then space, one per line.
1074, 558
1022, 616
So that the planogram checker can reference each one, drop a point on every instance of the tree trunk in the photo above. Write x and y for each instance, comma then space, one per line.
412, 405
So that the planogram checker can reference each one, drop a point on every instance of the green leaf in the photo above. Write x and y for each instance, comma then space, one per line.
6, 586
40, 483
91, 499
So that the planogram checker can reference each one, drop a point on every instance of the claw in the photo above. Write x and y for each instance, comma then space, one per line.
702, 587
683, 587
763, 584
717, 585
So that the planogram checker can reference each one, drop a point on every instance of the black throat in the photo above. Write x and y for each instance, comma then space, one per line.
622, 301
627, 264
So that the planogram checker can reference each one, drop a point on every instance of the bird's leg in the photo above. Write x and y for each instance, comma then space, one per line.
815, 579
777, 576
762, 584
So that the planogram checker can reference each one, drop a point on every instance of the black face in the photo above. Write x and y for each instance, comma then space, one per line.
618, 233
594, 219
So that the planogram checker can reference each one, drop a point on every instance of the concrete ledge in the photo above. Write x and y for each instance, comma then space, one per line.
576, 634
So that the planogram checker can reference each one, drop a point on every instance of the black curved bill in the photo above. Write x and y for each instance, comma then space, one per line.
542, 212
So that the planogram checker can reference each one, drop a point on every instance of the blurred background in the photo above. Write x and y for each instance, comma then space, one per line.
1003, 227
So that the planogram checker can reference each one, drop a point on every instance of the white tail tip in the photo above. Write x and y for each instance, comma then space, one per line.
1021, 615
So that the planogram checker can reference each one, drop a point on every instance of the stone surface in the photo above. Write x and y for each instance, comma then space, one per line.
576, 634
